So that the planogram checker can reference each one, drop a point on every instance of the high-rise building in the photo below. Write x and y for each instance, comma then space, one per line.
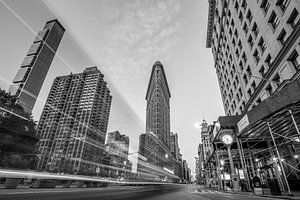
34, 68
155, 142
256, 48
73, 124
204, 150
174, 147
175, 150
117, 146
158, 110
205, 138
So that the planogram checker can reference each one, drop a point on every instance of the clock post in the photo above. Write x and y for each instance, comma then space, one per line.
227, 139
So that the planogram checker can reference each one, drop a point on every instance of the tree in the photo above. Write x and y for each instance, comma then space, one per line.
18, 137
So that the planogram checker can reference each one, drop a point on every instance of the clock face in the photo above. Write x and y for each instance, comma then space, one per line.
227, 139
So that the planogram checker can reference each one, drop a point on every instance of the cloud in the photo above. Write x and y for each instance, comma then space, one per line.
141, 32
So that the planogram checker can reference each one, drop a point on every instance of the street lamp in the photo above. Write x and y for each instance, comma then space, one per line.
222, 162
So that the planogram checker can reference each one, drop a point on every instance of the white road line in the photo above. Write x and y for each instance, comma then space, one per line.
50, 191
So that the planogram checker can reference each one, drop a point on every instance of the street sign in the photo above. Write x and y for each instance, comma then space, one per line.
243, 123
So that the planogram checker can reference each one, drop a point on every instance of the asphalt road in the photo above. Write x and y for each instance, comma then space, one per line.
182, 192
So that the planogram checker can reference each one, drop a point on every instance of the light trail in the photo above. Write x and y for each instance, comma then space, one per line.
42, 175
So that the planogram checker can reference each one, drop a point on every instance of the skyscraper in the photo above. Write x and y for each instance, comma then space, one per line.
73, 124
157, 137
34, 68
255, 45
158, 105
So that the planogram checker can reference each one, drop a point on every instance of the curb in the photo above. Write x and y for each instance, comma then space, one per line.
267, 196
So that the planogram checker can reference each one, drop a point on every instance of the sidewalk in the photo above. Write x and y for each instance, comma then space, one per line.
267, 193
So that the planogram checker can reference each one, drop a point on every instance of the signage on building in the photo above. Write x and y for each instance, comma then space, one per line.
241, 173
243, 123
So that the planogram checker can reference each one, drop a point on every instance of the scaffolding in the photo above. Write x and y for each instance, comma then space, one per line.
267, 141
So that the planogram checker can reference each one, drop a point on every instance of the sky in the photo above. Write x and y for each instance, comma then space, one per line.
124, 38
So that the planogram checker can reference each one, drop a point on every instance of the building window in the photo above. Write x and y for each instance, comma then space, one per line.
262, 45
268, 60
249, 92
240, 45
273, 20
295, 59
236, 33
237, 53
236, 6
277, 79
283, 4
253, 85
282, 36
245, 28
256, 56
241, 66
245, 79
241, 17
292, 19
265, 5
244, 57
269, 90
232, 24
249, 16
250, 41
240, 92
255, 29
249, 73
262, 71
244, 4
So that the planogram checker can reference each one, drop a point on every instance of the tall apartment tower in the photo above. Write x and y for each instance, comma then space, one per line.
158, 110
73, 124
255, 45
34, 68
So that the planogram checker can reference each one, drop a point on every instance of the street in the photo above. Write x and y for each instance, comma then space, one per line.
176, 192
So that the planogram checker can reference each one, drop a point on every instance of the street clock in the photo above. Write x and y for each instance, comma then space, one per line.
227, 138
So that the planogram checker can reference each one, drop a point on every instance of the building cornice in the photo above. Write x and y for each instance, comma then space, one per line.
210, 22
